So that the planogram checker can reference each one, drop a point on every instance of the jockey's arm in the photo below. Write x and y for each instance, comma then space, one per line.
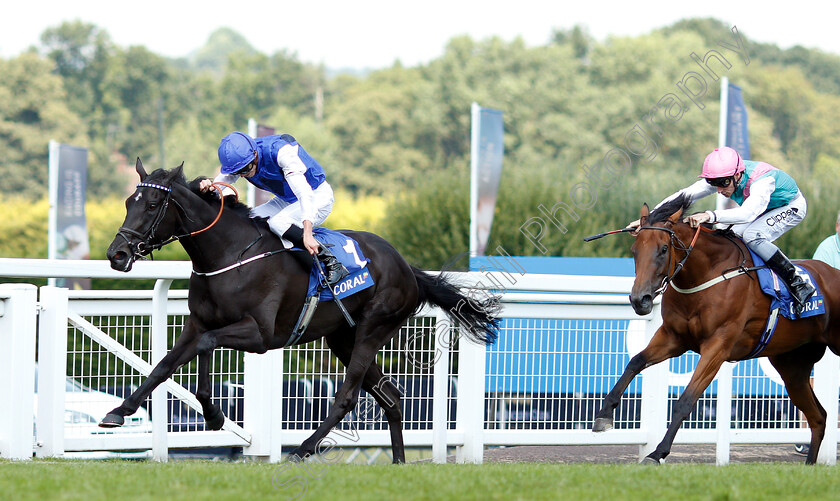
221, 178
294, 170
694, 192
753, 206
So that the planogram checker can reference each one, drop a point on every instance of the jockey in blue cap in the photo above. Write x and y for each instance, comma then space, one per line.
303, 198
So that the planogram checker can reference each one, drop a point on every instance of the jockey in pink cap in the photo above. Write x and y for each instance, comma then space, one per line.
769, 204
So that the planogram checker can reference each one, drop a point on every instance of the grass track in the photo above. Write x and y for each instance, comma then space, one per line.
89, 480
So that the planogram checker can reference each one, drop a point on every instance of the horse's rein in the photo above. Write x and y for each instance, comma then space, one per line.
159, 217
221, 207
731, 273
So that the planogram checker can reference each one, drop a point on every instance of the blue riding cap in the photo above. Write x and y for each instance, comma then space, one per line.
236, 151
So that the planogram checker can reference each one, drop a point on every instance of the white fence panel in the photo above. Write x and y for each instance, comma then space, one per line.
565, 341
17, 369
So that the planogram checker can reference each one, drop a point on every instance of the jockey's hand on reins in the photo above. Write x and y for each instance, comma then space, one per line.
696, 220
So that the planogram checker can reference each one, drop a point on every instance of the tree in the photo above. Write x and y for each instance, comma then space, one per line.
33, 111
81, 53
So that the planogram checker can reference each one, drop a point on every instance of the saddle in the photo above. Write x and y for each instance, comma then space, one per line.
348, 253
774, 287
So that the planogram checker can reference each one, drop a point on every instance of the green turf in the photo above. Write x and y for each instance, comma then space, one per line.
247, 481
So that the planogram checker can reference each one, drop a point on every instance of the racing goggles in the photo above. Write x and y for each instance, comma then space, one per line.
720, 182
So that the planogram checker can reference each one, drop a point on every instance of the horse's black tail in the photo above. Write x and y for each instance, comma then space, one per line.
476, 313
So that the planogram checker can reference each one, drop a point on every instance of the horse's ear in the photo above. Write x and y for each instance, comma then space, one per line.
675, 217
177, 171
644, 214
140, 170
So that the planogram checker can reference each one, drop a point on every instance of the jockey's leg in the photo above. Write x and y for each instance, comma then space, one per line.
286, 223
333, 268
800, 289
759, 236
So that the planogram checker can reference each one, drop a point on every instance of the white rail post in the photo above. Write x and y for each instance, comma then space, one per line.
654, 414
275, 415
256, 405
160, 407
263, 405
17, 369
471, 386
52, 371
826, 373
723, 417
440, 397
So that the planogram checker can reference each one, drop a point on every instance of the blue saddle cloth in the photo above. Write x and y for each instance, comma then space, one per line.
774, 287
347, 251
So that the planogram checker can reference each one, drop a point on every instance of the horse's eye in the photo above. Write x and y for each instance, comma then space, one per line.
152, 206
663, 250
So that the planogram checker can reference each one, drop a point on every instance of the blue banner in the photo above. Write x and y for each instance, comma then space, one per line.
737, 136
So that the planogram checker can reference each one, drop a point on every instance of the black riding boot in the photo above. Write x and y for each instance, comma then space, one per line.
799, 289
333, 268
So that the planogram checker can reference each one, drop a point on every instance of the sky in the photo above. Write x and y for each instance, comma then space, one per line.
376, 33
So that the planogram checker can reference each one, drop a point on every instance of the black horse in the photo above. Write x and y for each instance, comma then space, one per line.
254, 307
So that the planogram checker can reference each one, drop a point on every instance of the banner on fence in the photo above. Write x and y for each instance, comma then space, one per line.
68, 232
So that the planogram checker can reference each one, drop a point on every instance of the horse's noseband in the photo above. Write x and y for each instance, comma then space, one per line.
673, 245
143, 247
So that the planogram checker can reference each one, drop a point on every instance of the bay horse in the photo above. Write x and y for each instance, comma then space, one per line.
723, 322
254, 305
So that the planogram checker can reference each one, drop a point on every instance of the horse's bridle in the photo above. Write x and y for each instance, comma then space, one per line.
674, 241
143, 247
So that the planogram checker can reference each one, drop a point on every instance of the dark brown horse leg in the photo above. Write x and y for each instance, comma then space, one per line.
213, 416
707, 367
662, 346
182, 352
361, 359
795, 368
387, 395
243, 335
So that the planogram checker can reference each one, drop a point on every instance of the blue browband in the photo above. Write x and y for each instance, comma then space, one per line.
151, 185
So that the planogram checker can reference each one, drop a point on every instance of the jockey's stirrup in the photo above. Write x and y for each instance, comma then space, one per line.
333, 269
800, 290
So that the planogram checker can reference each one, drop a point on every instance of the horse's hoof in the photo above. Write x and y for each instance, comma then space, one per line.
602, 424
293, 457
649, 461
215, 422
112, 421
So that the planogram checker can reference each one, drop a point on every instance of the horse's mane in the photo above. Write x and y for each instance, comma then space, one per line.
682, 202
211, 196
669, 208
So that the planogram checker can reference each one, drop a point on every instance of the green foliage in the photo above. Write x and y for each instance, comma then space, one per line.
402, 134
33, 110
213, 56
430, 226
